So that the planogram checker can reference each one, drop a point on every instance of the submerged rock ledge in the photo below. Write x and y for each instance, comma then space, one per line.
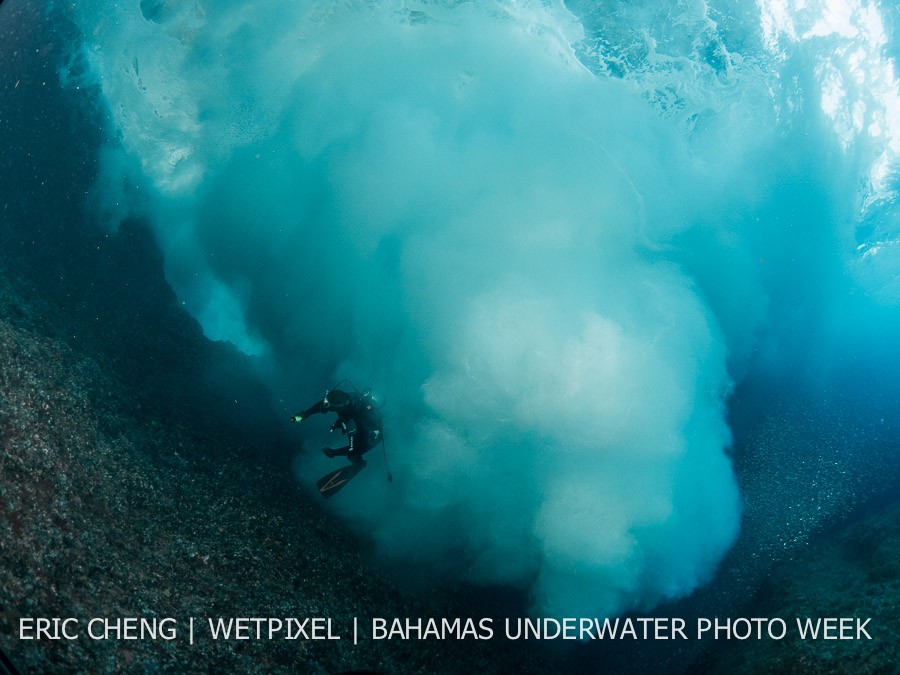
108, 512
853, 572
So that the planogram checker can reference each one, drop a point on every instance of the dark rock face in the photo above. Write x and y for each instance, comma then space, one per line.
854, 572
108, 512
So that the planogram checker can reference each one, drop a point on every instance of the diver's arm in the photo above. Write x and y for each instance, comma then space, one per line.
312, 410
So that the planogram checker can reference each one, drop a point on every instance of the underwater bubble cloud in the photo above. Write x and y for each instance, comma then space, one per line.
540, 234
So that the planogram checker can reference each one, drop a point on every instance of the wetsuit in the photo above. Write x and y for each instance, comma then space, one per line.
356, 417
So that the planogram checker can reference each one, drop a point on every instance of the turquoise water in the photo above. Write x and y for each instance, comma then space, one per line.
627, 275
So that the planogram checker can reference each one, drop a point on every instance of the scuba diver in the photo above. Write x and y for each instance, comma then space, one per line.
357, 417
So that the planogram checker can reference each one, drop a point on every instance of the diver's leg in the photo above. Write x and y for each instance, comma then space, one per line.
358, 447
337, 452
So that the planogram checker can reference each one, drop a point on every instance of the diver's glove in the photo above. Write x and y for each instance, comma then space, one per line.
297, 418
338, 425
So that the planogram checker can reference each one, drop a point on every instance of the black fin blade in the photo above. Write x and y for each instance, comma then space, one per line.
331, 483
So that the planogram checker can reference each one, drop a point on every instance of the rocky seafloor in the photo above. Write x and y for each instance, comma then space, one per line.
116, 502
851, 572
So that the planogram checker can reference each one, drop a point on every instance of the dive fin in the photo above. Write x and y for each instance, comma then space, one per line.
332, 482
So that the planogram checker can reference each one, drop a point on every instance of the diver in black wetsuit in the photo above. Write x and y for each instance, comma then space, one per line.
358, 417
